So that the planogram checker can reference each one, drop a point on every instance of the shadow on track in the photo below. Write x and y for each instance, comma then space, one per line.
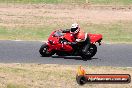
73, 57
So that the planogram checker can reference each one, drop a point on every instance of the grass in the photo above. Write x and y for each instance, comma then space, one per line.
35, 22
24, 33
115, 32
119, 2
57, 76
11, 85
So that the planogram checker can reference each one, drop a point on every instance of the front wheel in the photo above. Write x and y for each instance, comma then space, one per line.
91, 52
44, 51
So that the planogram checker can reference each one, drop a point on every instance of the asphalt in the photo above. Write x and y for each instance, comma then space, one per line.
28, 52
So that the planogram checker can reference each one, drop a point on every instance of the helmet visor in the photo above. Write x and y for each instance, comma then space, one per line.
73, 29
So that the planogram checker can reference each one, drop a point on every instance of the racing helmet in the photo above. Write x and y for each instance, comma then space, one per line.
75, 28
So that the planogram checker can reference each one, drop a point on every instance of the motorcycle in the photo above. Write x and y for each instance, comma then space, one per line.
59, 43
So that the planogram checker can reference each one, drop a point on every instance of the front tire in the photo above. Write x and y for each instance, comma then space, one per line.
91, 52
44, 51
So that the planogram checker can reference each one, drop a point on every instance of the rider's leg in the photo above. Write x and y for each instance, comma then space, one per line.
87, 44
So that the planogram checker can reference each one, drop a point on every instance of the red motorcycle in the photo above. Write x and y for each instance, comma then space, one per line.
59, 43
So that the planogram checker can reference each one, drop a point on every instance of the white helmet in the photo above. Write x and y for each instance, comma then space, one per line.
75, 28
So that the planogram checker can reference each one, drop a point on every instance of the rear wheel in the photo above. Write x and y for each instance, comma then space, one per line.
91, 52
44, 51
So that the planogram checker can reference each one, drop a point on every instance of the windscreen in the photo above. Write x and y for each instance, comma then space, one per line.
58, 34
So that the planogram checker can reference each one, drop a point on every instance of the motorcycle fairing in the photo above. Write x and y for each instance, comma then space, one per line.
54, 42
95, 38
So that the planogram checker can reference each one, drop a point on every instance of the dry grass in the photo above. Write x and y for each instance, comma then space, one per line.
41, 14
53, 76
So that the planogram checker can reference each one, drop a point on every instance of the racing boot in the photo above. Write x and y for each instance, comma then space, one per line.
87, 45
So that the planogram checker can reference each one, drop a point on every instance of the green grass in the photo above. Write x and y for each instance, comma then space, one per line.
122, 2
11, 85
113, 32
118, 32
25, 33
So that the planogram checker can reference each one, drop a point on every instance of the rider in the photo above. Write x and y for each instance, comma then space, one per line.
79, 36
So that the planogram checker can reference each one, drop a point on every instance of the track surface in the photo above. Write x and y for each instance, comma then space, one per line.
27, 52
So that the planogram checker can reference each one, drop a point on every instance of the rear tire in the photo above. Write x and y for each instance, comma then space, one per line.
90, 53
93, 50
44, 51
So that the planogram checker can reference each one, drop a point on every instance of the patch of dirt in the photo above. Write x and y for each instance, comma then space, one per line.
12, 15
